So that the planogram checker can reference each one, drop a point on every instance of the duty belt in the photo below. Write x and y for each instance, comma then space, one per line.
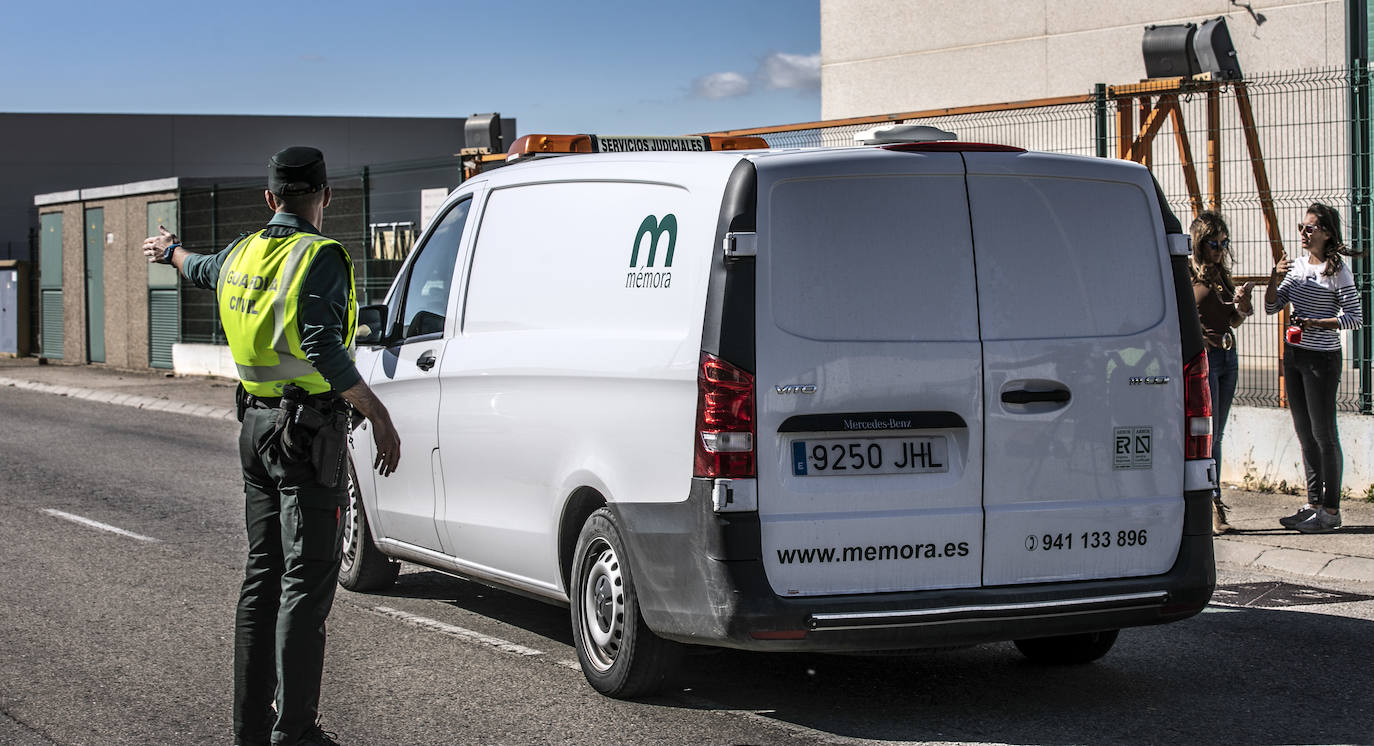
250, 401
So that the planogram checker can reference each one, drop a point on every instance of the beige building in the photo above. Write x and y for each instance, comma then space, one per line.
885, 56
102, 302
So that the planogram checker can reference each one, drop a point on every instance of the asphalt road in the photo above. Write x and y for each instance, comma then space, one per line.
125, 638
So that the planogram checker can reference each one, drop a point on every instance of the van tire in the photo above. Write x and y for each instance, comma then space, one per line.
620, 656
362, 567
1068, 650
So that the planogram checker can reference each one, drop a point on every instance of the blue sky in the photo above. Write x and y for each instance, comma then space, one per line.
591, 66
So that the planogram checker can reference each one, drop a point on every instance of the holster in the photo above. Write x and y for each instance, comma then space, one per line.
329, 451
313, 430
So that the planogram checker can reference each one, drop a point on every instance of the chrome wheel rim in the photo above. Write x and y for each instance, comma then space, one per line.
603, 605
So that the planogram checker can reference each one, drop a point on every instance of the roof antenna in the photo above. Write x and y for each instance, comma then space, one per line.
1249, 8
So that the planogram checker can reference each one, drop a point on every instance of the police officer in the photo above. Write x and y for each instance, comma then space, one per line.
286, 301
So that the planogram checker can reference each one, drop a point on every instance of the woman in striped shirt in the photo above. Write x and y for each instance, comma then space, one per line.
1325, 301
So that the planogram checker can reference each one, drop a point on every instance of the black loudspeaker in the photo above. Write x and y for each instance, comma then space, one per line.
483, 132
1214, 51
1168, 51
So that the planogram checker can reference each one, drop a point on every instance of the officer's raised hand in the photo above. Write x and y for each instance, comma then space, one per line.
162, 248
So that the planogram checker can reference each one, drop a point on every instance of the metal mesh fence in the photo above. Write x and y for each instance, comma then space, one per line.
375, 213
1302, 126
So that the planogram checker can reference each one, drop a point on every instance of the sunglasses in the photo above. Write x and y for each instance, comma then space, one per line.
1223, 244
1308, 230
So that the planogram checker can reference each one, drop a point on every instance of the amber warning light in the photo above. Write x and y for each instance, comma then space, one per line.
536, 144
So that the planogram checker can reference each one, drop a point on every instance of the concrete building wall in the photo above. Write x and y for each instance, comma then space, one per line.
44, 153
886, 56
73, 284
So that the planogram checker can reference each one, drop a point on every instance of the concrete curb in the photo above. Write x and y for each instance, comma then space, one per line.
1240, 553
126, 400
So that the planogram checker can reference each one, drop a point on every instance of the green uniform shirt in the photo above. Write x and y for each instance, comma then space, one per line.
323, 308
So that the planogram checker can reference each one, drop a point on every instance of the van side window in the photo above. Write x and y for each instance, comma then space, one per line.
431, 275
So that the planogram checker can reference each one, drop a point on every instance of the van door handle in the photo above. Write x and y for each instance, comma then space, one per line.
426, 360
1023, 396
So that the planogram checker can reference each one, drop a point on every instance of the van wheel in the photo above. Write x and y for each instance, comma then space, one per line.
620, 656
363, 566
1068, 650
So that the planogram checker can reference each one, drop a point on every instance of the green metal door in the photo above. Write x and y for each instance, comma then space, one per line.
95, 284
50, 284
164, 296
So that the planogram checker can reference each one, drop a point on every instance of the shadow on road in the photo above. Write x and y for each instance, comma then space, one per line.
540, 618
1233, 675
1227, 677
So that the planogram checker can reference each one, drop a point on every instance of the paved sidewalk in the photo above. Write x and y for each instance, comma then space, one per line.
1258, 542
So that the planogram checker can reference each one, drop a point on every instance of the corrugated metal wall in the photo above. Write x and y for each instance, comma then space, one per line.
164, 326
52, 324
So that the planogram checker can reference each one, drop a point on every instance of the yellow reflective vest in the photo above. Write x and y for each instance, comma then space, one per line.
258, 294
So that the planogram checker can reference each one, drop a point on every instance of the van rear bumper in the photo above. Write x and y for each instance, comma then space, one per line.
700, 579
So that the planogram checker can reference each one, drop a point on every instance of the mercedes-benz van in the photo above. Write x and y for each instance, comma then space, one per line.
880, 397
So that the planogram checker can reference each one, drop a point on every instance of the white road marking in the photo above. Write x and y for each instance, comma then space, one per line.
504, 646
96, 524
762, 717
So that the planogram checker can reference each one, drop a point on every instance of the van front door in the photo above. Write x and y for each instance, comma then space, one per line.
869, 382
406, 379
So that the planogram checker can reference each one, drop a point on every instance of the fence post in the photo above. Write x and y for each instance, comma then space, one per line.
367, 240
1100, 112
215, 326
1357, 51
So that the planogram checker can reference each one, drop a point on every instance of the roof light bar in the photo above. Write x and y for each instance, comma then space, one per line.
538, 144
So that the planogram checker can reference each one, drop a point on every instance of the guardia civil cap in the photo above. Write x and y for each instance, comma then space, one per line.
296, 170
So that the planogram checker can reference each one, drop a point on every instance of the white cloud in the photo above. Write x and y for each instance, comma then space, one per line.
720, 85
801, 72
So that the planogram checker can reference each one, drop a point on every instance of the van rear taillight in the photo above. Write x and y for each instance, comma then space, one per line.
725, 420
1197, 409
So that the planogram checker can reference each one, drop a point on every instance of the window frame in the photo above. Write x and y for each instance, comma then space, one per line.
402, 290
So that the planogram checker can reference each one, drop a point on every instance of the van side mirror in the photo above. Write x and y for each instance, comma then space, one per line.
372, 326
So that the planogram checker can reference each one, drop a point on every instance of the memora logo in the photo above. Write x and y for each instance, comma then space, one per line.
647, 238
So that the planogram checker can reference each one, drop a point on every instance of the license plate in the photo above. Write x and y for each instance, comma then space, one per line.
855, 456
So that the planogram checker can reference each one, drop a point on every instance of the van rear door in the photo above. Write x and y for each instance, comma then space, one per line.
869, 379
1083, 378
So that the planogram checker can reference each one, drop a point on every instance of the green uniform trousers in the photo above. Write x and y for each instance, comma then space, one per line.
294, 536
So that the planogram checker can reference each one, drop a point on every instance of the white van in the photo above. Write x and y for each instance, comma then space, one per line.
914, 395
